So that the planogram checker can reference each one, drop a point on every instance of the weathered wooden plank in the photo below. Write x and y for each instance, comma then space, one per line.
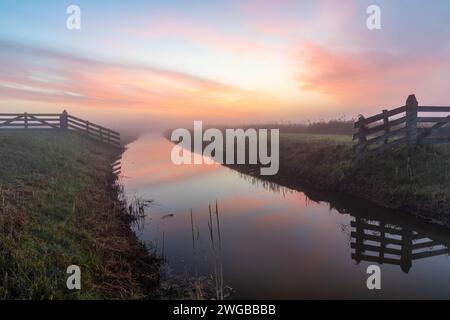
434, 128
442, 132
434, 109
45, 114
372, 227
84, 123
368, 247
9, 125
81, 129
430, 119
386, 229
42, 119
386, 135
376, 238
33, 114
380, 116
22, 125
15, 119
22, 121
6, 123
117, 163
443, 120
44, 122
85, 126
79, 125
428, 254
94, 125
26, 129
424, 245
382, 127
364, 257
375, 248
91, 131
77, 119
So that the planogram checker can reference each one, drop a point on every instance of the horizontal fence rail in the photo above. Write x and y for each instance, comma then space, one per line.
404, 124
61, 121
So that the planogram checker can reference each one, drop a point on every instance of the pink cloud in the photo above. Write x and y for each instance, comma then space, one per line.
42, 75
369, 77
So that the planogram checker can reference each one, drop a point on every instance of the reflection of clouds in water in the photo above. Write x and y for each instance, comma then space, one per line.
271, 232
147, 161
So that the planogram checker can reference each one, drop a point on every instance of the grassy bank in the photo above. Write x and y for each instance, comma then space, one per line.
416, 181
59, 206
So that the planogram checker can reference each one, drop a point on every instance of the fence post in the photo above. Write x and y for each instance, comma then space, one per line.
411, 119
63, 120
362, 139
386, 125
25, 117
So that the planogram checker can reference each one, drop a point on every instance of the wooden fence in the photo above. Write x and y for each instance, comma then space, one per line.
63, 121
402, 125
384, 242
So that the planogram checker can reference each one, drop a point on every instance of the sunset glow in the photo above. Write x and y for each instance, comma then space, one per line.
224, 158
170, 62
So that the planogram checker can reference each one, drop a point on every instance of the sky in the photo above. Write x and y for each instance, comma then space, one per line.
160, 63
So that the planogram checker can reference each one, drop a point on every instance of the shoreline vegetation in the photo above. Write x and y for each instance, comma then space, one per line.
416, 182
60, 205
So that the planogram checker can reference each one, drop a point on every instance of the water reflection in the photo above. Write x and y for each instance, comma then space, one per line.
116, 165
382, 242
378, 235
278, 242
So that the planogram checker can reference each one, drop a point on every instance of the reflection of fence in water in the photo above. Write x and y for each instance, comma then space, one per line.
381, 242
116, 165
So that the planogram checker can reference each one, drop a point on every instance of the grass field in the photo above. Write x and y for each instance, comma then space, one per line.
320, 138
59, 207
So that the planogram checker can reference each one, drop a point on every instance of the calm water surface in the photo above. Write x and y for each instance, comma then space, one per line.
278, 243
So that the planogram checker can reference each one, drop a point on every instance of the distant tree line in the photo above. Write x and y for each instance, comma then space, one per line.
336, 126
